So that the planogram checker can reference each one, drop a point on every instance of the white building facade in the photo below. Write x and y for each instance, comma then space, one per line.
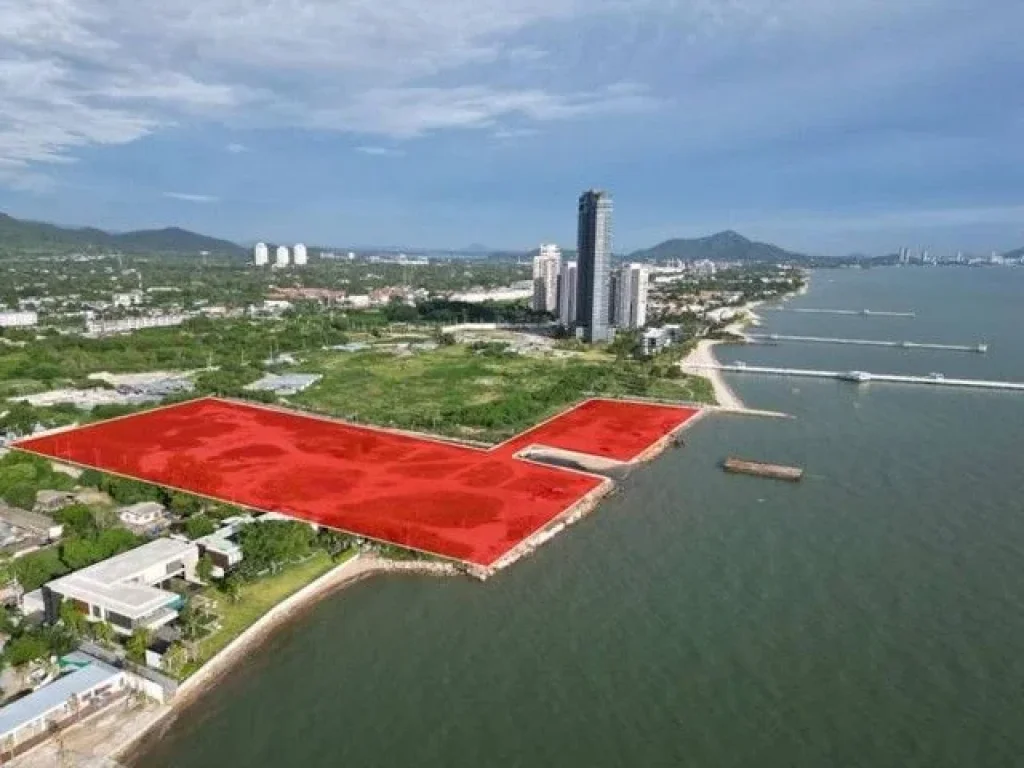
260, 255
631, 299
126, 590
546, 266
300, 256
18, 319
281, 256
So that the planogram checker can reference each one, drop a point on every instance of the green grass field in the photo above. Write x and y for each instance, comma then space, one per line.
458, 391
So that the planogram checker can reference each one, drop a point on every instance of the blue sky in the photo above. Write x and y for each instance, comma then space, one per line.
825, 125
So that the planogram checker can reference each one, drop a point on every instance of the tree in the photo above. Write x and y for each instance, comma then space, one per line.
77, 519
333, 542
175, 659
26, 648
204, 568
77, 552
103, 632
137, 645
72, 617
232, 587
198, 526
37, 568
184, 504
271, 544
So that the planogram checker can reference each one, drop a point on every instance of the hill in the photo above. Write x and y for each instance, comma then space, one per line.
36, 235
724, 246
1015, 254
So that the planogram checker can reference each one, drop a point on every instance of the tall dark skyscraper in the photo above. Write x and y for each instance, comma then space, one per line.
594, 255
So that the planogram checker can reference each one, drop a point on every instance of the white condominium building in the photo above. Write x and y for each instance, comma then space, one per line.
546, 266
631, 300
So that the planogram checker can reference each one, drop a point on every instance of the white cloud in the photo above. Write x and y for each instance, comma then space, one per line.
380, 151
190, 197
79, 73
235, 148
407, 112
515, 133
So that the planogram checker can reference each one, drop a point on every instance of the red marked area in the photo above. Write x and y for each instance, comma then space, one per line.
611, 429
454, 501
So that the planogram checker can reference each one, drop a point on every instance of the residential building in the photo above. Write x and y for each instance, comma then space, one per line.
281, 256
546, 266
18, 319
40, 526
128, 324
220, 546
631, 295
87, 686
127, 590
567, 294
127, 299
299, 255
260, 255
594, 253
704, 268
655, 340
144, 516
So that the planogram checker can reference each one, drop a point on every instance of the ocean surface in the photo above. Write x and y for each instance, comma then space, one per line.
872, 615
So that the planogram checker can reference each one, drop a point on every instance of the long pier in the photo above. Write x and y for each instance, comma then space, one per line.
863, 312
862, 377
773, 337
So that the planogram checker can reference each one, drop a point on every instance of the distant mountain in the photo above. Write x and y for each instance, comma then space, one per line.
36, 235
724, 246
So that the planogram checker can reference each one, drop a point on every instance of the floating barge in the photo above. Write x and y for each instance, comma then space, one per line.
761, 469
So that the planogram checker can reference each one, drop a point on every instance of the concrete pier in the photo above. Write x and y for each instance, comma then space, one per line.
863, 312
863, 377
776, 337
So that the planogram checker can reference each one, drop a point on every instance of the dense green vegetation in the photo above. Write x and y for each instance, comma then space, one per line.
22, 475
461, 391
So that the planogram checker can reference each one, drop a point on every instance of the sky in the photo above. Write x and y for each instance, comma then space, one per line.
827, 126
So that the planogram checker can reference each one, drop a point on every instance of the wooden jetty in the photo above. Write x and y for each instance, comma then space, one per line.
761, 469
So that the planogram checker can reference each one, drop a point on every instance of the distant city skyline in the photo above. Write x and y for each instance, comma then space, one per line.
826, 127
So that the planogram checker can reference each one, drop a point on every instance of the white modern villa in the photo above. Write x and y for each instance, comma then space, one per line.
127, 590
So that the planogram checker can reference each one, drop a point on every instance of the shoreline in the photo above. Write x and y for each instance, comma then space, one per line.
130, 723
355, 569
696, 364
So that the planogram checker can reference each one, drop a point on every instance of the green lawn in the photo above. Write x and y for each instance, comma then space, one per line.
456, 391
256, 598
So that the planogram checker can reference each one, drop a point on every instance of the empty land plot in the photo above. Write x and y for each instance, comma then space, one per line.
462, 503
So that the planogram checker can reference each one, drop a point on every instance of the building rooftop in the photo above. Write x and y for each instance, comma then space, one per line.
110, 582
286, 383
22, 518
49, 697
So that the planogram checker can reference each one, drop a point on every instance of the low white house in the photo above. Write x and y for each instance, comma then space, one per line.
126, 590
220, 546
88, 686
145, 514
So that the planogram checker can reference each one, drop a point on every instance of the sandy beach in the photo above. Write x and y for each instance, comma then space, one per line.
695, 364
110, 736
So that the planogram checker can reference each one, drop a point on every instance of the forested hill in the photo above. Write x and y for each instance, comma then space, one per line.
724, 246
36, 235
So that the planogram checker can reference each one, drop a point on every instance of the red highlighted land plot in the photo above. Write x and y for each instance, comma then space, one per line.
458, 502
611, 429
